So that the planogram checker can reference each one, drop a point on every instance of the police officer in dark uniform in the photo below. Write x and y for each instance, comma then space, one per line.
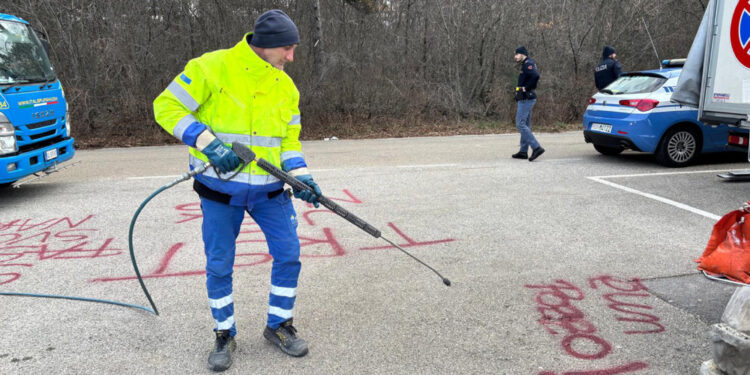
608, 70
526, 98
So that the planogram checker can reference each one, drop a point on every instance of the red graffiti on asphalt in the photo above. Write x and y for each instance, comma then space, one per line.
317, 243
556, 302
25, 242
192, 211
628, 289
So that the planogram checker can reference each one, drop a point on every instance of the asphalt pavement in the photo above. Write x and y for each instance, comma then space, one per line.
576, 263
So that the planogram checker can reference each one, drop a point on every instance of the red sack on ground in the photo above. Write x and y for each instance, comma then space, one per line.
728, 250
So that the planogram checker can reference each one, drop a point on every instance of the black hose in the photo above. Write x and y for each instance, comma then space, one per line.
184, 177
132, 253
75, 299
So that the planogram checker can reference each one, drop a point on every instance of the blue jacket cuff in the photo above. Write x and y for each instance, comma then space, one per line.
192, 132
293, 163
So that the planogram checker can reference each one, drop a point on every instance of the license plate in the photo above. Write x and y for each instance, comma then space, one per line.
604, 128
50, 154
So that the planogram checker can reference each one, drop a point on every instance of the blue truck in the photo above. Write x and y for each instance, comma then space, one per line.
34, 124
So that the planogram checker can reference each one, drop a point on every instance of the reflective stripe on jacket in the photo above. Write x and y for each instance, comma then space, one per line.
240, 98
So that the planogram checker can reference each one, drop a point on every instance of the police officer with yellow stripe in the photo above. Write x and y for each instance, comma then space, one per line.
242, 94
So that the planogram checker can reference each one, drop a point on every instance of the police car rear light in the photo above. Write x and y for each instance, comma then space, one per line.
622, 132
642, 105
592, 100
647, 105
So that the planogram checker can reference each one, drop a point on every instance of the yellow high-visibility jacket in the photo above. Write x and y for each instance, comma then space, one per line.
239, 97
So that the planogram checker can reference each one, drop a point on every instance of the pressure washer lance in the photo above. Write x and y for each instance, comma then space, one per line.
247, 155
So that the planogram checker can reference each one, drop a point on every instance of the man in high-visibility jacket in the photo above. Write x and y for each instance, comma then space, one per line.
242, 94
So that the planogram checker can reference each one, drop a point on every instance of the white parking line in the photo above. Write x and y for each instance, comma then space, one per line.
601, 180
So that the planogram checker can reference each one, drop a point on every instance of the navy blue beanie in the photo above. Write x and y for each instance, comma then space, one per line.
274, 29
607, 51
522, 50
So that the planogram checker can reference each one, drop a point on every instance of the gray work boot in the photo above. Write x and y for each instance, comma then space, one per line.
221, 358
285, 337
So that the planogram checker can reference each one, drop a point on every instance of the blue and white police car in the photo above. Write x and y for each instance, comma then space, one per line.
634, 112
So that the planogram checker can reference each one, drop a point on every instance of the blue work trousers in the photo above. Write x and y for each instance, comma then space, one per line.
221, 226
523, 124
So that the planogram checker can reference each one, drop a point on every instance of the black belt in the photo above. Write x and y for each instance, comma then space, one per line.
206, 192
275, 193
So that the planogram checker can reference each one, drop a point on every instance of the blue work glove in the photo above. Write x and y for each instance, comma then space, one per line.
307, 195
221, 157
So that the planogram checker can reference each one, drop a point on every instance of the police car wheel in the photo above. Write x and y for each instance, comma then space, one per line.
678, 148
605, 150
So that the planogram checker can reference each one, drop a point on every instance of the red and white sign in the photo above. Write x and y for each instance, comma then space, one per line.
739, 32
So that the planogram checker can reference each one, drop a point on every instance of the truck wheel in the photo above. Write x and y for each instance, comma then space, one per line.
678, 148
5, 185
604, 150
